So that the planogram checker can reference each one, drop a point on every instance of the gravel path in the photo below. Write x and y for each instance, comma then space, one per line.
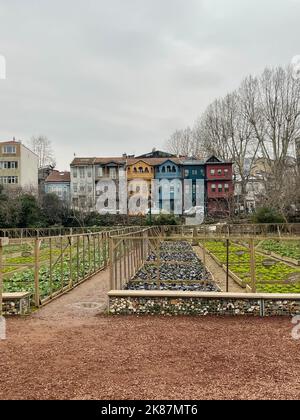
63, 352
219, 274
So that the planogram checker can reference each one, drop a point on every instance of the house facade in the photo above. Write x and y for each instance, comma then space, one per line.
194, 170
59, 183
18, 166
210, 181
219, 186
168, 170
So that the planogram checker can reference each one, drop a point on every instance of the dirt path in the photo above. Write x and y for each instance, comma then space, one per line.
219, 274
85, 301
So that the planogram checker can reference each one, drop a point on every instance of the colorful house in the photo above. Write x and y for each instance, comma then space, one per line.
194, 170
59, 183
170, 170
219, 186
139, 170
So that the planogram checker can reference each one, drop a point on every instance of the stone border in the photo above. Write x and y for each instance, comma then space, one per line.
202, 303
16, 303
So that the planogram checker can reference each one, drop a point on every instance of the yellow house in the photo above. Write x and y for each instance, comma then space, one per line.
139, 170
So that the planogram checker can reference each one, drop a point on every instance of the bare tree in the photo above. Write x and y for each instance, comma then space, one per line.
43, 148
187, 143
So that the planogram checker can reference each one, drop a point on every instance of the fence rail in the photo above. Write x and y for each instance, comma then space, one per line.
47, 267
242, 258
262, 258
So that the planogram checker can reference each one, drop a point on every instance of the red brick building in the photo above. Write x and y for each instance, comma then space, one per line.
219, 186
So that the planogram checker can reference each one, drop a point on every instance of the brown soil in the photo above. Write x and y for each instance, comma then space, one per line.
67, 352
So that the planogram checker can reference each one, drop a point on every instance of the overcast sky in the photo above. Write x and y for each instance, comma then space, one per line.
100, 78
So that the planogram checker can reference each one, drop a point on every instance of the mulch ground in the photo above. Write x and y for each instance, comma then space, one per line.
150, 358
64, 351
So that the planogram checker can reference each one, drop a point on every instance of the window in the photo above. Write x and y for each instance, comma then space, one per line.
163, 169
213, 187
90, 188
81, 173
194, 172
220, 187
212, 171
100, 171
186, 173
9, 180
75, 188
9, 165
89, 172
174, 169
74, 172
147, 170
112, 173
9, 150
141, 170
226, 187
219, 171
226, 171
82, 188
168, 169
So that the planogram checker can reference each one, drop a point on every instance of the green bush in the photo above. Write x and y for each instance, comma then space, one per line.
267, 215
163, 220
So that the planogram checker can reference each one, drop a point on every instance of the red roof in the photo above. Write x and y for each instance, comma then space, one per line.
57, 176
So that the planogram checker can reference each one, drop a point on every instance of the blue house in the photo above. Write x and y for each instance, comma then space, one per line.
59, 183
168, 170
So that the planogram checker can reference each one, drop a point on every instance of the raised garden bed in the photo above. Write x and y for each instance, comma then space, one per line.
177, 267
270, 278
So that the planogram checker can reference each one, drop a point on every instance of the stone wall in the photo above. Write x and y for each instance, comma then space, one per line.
201, 304
16, 304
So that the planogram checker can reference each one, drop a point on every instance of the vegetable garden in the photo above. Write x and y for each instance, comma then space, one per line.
272, 275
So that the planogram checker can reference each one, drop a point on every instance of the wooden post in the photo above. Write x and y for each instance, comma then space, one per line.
158, 266
227, 265
71, 260
50, 268
62, 282
252, 265
36, 271
78, 257
1, 275
111, 264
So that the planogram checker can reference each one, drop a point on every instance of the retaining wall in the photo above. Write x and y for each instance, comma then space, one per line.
202, 303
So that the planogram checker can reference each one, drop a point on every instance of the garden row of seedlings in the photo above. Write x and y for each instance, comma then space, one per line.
174, 267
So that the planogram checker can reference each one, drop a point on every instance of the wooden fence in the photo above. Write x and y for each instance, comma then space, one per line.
49, 266
237, 254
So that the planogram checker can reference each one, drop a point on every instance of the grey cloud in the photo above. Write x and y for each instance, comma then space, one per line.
103, 77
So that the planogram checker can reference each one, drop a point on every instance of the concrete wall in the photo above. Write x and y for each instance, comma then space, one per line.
29, 163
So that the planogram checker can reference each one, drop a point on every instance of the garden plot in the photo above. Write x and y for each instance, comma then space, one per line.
60, 264
177, 267
272, 276
288, 251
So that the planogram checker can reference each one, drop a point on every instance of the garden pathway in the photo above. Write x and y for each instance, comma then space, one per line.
77, 302
219, 274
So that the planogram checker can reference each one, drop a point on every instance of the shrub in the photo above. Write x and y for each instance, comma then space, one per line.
267, 215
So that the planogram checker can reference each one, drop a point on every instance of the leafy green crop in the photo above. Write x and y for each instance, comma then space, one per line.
273, 279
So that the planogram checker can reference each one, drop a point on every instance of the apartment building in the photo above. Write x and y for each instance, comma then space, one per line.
18, 166
85, 174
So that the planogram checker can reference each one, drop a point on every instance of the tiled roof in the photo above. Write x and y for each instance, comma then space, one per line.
57, 176
153, 161
83, 161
